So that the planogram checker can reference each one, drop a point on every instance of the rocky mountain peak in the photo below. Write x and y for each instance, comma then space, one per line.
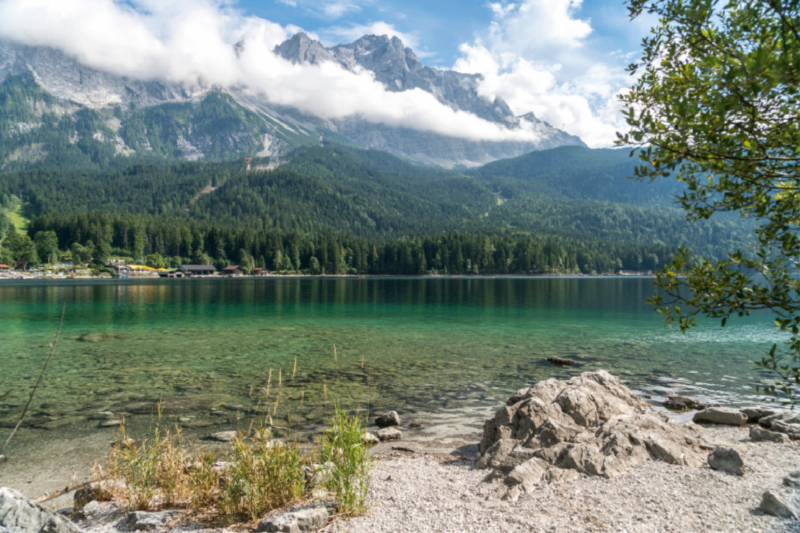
303, 49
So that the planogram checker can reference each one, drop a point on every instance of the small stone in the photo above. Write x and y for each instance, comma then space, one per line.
415, 424
773, 504
3, 458
673, 405
792, 480
726, 460
145, 521
102, 415
369, 438
90, 494
786, 417
793, 430
754, 414
109, 424
296, 520
390, 419
758, 434
387, 434
721, 415
95, 509
224, 436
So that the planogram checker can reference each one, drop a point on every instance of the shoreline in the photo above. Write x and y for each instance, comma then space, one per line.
327, 276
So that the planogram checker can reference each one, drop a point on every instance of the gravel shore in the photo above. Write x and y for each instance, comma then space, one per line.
433, 493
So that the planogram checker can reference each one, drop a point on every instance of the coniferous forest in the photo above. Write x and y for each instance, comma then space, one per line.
342, 210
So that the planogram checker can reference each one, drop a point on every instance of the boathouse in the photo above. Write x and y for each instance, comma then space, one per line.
198, 270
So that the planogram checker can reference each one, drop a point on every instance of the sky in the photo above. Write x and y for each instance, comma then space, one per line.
563, 60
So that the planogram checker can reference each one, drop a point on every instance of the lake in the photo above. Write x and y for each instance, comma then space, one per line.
225, 353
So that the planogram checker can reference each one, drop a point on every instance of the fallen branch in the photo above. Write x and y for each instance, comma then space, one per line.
52, 350
66, 490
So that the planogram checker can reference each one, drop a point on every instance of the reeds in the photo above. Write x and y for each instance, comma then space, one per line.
263, 475
346, 455
257, 475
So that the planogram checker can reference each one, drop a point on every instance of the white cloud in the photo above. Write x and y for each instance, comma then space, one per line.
338, 34
190, 40
568, 90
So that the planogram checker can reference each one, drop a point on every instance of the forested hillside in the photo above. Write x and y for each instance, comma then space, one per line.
336, 189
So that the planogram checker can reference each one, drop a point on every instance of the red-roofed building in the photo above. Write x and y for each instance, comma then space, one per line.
4, 268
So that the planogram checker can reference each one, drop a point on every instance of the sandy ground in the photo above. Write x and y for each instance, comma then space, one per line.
427, 493
436, 490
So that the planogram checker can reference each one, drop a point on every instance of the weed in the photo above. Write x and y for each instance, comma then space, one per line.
263, 475
345, 455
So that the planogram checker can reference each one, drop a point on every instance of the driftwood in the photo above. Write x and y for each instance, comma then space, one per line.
558, 361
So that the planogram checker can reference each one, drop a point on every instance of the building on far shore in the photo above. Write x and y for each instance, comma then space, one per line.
198, 270
121, 269
260, 272
4, 268
232, 271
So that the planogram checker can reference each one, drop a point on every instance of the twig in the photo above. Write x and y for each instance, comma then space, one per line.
52, 350
66, 490
590, 517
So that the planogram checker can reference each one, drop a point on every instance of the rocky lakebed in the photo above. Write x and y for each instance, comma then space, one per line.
583, 454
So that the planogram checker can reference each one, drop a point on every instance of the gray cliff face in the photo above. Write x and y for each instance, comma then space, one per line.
66, 79
399, 69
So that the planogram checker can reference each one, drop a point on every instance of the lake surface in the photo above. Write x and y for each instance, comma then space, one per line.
224, 353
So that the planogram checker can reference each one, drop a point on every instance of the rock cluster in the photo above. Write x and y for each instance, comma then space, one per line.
592, 424
786, 422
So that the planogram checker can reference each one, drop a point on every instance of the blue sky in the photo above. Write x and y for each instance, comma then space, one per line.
439, 27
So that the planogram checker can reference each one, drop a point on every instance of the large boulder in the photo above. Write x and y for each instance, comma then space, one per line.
20, 515
591, 424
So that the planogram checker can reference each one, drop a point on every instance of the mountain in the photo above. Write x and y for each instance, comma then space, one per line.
55, 111
399, 69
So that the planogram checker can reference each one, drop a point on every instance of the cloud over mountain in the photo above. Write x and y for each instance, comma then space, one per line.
190, 41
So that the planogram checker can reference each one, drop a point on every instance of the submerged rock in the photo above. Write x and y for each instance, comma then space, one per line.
224, 436
559, 361
20, 515
590, 424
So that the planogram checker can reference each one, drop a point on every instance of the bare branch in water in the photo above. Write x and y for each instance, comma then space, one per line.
41, 375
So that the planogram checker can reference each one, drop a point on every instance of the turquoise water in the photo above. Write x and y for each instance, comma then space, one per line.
221, 353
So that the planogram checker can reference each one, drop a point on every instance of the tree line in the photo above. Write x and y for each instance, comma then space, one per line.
163, 241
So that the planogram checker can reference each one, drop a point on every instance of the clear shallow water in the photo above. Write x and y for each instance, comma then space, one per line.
446, 351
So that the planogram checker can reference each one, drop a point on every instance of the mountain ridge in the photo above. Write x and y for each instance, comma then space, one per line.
116, 98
